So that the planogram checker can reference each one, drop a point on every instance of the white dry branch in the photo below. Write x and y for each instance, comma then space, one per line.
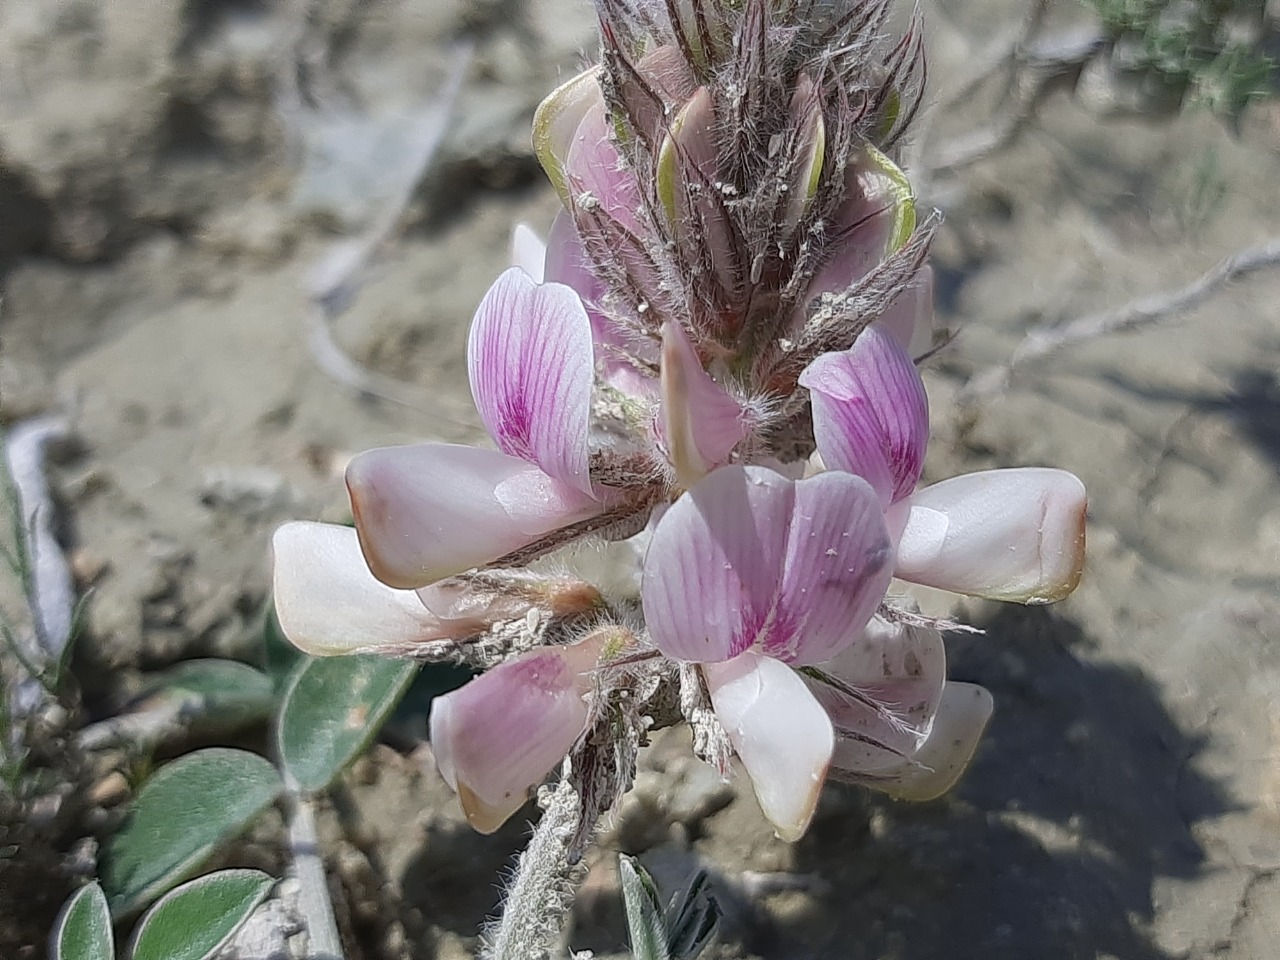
47, 587
334, 281
1032, 68
313, 906
1155, 308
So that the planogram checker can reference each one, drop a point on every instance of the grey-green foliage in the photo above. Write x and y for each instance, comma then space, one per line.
194, 921
331, 709
83, 928
180, 817
1200, 51
682, 931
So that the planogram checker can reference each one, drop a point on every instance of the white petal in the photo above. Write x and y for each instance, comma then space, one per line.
328, 602
1003, 534
898, 673
431, 510
962, 718
528, 251
780, 733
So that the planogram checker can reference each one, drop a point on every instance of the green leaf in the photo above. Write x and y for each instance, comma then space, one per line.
197, 919
332, 709
178, 819
217, 695
692, 918
645, 921
279, 656
83, 928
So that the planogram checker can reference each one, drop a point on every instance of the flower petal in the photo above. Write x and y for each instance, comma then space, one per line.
501, 734
838, 566
749, 558
1003, 534
714, 563
594, 166
700, 422
328, 602
567, 263
432, 510
780, 733
528, 251
882, 693
557, 119
870, 413
530, 360
962, 718
877, 218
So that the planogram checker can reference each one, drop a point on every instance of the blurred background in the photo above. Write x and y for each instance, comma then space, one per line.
242, 240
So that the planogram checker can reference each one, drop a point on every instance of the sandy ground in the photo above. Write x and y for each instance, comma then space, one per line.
156, 239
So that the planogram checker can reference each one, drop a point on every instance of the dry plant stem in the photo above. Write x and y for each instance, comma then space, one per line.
50, 593
265, 935
313, 906
1033, 69
541, 892
47, 586
1036, 72
140, 730
1045, 340
335, 279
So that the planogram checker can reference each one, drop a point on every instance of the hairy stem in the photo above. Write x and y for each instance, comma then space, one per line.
541, 892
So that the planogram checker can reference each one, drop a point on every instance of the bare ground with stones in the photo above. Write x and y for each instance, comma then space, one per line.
156, 238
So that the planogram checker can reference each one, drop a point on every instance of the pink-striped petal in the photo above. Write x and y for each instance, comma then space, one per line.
1015, 534
779, 731
329, 604
500, 735
749, 559
530, 360
700, 421
528, 252
957, 729
882, 693
838, 566
870, 413
429, 511
714, 563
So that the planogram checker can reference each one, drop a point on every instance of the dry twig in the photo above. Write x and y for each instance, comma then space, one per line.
1144, 311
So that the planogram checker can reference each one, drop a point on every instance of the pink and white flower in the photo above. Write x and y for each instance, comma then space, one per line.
709, 307
500, 735
429, 511
749, 573
1012, 534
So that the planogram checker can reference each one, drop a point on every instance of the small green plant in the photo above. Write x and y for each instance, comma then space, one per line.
192, 807
191, 922
1197, 51
679, 932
